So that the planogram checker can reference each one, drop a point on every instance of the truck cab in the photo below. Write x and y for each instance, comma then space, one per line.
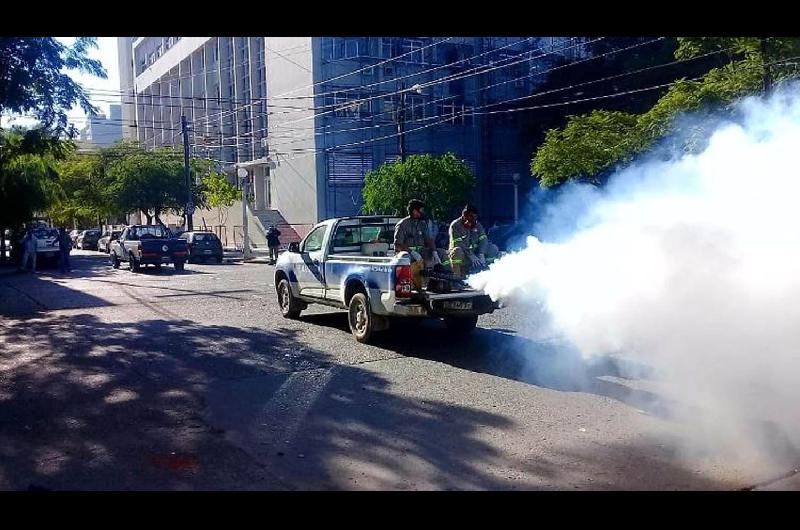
142, 245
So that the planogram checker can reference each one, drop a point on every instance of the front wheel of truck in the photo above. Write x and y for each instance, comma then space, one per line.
290, 308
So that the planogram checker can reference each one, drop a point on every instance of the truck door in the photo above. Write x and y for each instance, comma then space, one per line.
310, 271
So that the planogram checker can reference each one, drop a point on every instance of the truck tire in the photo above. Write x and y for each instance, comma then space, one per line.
290, 308
114, 260
461, 325
178, 265
360, 318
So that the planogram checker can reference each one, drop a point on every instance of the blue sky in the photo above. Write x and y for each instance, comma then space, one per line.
107, 54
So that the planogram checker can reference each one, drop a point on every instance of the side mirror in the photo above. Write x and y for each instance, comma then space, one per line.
294, 247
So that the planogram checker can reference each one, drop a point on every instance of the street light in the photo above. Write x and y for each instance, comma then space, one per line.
516, 177
242, 174
401, 117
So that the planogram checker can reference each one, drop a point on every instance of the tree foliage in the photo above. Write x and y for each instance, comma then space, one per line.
33, 78
590, 145
150, 181
445, 183
219, 193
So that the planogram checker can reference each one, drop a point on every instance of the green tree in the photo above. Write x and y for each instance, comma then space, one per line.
83, 194
28, 176
148, 181
33, 80
219, 194
445, 183
592, 144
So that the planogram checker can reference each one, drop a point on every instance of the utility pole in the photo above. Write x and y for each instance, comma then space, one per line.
401, 118
243, 178
401, 122
189, 210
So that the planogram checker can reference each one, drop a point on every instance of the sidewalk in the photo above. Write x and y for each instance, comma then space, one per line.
7, 270
258, 255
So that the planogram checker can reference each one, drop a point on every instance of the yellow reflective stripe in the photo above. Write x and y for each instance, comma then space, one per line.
482, 237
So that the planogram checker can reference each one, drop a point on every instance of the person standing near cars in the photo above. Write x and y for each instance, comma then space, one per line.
29, 245
64, 248
273, 242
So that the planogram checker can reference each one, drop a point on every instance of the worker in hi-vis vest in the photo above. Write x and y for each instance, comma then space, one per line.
470, 248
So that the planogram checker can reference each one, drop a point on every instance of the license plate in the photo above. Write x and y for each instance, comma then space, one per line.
460, 305
207, 252
165, 259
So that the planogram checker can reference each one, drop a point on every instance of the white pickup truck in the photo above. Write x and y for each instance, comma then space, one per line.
350, 263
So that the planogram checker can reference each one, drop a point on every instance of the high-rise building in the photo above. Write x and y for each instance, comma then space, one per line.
101, 130
328, 109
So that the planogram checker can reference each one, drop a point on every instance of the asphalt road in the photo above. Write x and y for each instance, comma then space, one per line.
193, 380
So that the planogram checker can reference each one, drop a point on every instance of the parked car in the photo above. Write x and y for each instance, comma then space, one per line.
73, 236
88, 239
148, 245
46, 244
203, 246
104, 243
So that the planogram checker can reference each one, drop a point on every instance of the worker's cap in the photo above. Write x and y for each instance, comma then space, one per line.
471, 208
415, 204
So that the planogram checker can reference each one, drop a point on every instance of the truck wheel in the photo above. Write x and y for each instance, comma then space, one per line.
114, 260
290, 308
178, 265
360, 318
461, 325
134, 264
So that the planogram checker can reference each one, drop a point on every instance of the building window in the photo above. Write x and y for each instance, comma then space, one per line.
387, 48
413, 48
347, 105
455, 113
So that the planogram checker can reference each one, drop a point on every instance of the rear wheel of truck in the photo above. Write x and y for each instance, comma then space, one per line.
360, 318
461, 325
290, 308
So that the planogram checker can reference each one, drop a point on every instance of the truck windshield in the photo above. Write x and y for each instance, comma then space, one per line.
148, 232
349, 238
43, 233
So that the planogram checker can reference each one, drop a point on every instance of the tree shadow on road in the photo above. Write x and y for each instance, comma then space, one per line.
157, 404
88, 404
498, 352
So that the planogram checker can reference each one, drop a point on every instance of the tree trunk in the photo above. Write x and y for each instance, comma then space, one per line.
148, 216
2, 245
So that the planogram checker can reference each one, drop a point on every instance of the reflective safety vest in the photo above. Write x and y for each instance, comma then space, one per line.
472, 241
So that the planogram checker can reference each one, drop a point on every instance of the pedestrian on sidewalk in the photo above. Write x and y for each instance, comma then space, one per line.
273, 242
64, 248
29, 245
